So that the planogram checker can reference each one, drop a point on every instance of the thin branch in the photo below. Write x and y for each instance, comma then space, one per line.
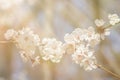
108, 71
109, 26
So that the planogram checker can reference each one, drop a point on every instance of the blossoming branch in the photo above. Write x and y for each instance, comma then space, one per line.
80, 44
80, 41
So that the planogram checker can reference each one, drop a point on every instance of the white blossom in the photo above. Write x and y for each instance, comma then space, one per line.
99, 22
84, 41
85, 58
52, 50
82, 36
69, 38
113, 19
10, 34
80, 44
27, 41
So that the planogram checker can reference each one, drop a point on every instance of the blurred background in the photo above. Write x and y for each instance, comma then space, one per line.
54, 18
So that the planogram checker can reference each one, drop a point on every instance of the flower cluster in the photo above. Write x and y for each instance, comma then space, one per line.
105, 31
99, 22
52, 49
114, 19
80, 44
101, 30
85, 57
83, 41
10, 34
25, 40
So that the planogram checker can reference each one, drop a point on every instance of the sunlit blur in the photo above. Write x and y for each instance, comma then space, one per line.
55, 18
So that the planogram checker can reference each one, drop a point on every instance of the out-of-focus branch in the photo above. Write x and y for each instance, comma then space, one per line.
32, 14
96, 7
49, 16
47, 71
72, 14
113, 59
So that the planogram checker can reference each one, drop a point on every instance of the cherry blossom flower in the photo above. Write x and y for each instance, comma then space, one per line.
80, 44
10, 34
82, 36
100, 28
114, 18
84, 42
99, 22
52, 50
27, 40
85, 58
